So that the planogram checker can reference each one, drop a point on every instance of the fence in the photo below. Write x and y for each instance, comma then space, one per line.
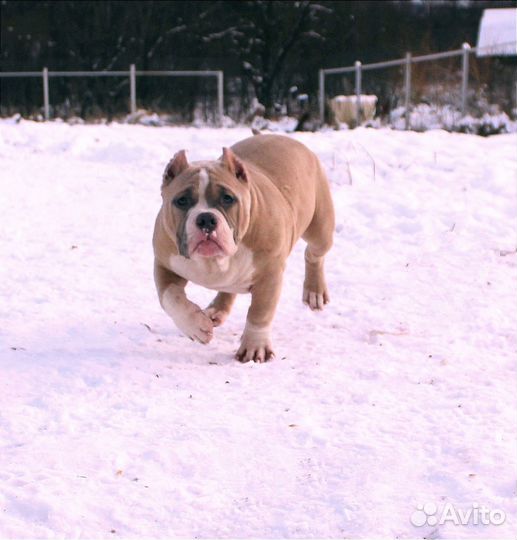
357, 69
408, 64
133, 73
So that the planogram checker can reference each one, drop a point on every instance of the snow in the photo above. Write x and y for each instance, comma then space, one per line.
402, 393
424, 117
497, 32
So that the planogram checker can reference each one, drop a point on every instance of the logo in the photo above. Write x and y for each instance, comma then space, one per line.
429, 514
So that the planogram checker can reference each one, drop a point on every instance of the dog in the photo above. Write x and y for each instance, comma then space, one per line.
230, 224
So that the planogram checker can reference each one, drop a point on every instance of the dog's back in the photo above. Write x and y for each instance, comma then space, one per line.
292, 168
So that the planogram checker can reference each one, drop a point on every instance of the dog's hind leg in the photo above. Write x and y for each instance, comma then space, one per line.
220, 307
319, 240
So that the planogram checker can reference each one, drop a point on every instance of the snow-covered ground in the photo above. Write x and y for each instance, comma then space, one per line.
402, 393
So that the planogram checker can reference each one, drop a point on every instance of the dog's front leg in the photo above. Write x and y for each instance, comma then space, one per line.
220, 307
187, 316
256, 340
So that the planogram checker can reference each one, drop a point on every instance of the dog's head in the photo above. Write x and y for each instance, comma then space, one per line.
206, 204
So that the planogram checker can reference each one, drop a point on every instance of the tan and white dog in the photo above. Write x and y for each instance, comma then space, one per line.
230, 224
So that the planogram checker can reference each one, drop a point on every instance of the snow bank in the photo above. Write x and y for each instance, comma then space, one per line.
424, 117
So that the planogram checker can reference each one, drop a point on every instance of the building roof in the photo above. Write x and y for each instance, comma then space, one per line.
498, 32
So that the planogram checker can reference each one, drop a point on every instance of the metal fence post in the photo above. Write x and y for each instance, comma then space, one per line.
407, 100
464, 76
46, 107
321, 95
358, 92
220, 96
132, 88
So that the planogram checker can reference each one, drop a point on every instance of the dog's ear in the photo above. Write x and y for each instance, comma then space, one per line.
175, 167
235, 165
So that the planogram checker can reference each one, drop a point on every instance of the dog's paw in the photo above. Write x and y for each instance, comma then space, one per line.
259, 354
196, 325
255, 345
315, 300
217, 316
187, 316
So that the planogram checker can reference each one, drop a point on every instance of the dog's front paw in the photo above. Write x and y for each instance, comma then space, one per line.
255, 345
196, 325
217, 316
316, 300
220, 307
187, 316
257, 353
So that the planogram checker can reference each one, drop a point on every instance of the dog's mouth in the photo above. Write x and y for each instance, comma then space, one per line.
208, 246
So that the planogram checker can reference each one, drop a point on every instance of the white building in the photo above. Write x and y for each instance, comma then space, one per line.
498, 33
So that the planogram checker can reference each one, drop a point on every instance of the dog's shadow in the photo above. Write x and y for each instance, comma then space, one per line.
68, 345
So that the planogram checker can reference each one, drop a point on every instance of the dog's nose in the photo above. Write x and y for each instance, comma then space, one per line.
206, 221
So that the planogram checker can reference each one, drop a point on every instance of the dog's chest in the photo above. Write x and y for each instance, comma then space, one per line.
233, 274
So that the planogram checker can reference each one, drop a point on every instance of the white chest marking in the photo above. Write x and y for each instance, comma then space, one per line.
232, 274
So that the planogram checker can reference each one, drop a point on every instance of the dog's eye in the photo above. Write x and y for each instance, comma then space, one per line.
227, 200
181, 202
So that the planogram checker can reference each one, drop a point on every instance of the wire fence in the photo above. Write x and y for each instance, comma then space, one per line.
459, 78
132, 74
409, 78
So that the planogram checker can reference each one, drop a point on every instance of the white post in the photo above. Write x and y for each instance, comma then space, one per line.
407, 97
358, 92
220, 96
132, 88
464, 77
321, 96
46, 106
